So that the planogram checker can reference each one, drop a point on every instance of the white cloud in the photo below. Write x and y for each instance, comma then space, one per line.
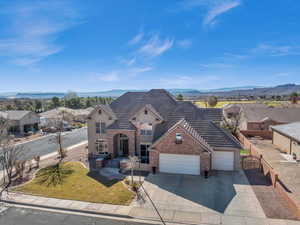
218, 9
136, 39
276, 50
137, 70
109, 77
156, 46
34, 29
183, 81
184, 43
129, 62
214, 8
283, 74
216, 65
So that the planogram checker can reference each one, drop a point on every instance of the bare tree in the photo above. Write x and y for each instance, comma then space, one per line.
60, 124
232, 122
9, 154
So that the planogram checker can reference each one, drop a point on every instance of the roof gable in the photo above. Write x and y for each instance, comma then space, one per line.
150, 108
189, 130
105, 108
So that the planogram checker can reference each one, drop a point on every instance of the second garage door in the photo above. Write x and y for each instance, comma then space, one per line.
182, 164
223, 160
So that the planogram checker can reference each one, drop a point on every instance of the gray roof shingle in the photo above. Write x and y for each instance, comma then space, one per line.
15, 114
257, 112
195, 119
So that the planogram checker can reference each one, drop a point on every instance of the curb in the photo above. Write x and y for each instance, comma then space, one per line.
67, 209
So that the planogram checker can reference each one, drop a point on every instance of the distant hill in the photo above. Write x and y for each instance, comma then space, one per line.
285, 89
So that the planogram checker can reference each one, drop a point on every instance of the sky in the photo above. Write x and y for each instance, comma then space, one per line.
94, 45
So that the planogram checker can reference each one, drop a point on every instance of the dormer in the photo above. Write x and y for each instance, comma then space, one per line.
146, 114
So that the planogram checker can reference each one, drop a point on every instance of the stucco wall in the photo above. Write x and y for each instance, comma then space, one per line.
283, 142
296, 149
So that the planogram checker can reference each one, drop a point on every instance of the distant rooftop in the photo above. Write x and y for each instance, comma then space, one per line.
291, 130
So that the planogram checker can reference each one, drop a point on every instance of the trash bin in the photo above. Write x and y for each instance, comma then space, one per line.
154, 169
205, 174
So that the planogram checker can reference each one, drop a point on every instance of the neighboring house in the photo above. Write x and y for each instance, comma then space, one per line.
172, 136
21, 121
48, 118
260, 116
287, 138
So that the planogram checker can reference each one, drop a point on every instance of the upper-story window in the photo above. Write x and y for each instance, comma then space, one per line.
178, 138
146, 129
146, 111
100, 111
100, 146
100, 128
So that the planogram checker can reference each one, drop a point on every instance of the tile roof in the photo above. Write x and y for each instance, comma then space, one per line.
199, 121
284, 115
291, 130
256, 112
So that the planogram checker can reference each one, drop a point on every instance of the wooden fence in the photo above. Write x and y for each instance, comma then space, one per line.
268, 170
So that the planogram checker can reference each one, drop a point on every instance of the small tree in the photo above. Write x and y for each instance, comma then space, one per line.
179, 97
9, 154
55, 102
294, 98
232, 123
212, 101
59, 123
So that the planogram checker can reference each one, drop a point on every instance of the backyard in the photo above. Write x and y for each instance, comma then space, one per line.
78, 184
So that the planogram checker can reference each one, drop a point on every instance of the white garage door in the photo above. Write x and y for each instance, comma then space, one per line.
223, 160
183, 164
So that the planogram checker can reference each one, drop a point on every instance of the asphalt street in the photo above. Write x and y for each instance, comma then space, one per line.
25, 216
45, 146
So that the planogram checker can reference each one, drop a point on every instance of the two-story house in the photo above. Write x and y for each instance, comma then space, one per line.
172, 136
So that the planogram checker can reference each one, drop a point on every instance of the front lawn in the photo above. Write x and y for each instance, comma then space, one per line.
79, 185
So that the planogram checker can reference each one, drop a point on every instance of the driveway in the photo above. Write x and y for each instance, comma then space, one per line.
228, 193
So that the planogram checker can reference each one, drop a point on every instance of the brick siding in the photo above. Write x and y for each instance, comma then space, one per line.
189, 146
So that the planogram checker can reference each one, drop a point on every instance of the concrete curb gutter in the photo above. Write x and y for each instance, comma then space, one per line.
67, 209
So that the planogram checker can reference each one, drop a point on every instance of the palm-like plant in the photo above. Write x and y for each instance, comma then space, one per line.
53, 175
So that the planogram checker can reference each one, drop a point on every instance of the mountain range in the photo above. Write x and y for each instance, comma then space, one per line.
285, 89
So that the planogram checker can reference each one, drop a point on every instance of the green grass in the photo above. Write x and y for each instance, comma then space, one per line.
80, 185
244, 152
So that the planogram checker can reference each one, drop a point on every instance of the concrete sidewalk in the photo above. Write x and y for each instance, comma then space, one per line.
170, 216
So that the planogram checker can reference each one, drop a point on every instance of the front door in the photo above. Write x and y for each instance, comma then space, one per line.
124, 147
